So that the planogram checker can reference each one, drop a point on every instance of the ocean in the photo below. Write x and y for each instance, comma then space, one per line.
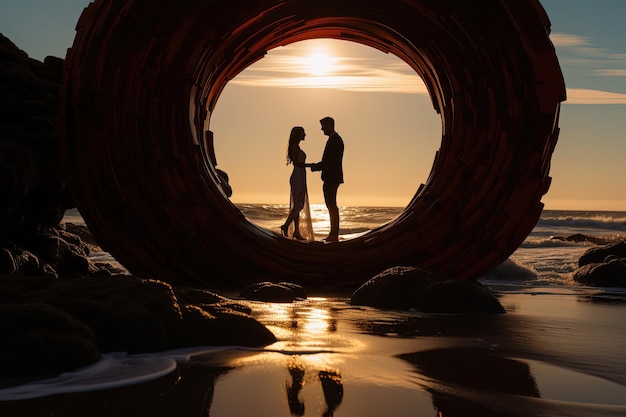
557, 351
543, 258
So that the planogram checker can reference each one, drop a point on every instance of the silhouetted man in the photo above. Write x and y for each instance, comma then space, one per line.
332, 174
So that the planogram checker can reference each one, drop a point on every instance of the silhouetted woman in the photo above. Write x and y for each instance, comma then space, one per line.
299, 199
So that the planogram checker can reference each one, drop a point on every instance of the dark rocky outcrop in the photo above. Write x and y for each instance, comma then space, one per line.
33, 194
51, 251
95, 314
222, 176
603, 266
412, 288
33, 190
395, 288
58, 309
39, 340
581, 238
602, 274
282, 292
458, 296
209, 301
600, 254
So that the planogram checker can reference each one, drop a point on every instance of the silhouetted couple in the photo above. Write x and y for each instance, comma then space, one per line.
332, 387
331, 167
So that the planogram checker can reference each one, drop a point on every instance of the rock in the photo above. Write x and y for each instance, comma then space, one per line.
298, 290
394, 288
599, 254
283, 292
602, 274
407, 288
27, 263
49, 266
65, 252
82, 232
7, 262
129, 314
191, 295
224, 182
580, 238
201, 328
29, 116
49, 251
124, 312
17, 174
40, 340
603, 266
210, 302
33, 196
458, 296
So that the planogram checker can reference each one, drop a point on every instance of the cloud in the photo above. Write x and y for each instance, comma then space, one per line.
290, 68
590, 65
611, 72
584, 96
569, 41
349, 73
582, 47
378, 81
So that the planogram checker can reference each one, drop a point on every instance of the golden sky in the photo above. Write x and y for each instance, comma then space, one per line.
381, 109
390, 129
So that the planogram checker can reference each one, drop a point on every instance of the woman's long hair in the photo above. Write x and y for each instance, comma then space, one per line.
294, 139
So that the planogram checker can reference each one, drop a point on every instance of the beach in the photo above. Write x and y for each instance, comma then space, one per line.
558, 351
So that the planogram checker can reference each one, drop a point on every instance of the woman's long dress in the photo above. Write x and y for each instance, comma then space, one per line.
299, 198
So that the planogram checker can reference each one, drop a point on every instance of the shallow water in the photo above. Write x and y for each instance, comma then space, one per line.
554, 353
558, 351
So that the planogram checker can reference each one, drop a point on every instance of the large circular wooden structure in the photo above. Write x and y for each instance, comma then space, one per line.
143, 77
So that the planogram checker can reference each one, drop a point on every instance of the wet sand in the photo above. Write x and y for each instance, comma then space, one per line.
555, 353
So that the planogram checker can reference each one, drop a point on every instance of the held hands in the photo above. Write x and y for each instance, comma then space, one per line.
315, 167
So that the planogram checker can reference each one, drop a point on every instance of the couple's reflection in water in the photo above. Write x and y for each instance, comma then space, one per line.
461, 381
331, 386
310, 323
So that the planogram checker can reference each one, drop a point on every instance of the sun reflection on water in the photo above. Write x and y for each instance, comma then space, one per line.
334, 358
308, 326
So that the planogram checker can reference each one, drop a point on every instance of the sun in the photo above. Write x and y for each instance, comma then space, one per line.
319, 63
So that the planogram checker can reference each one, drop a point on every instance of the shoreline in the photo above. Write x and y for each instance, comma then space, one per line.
562, 337
563, 340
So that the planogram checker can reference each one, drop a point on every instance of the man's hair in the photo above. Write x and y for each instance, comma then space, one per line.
328, 120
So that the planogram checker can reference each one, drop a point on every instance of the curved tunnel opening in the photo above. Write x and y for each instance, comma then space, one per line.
358, 32
141, 87
382, 109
